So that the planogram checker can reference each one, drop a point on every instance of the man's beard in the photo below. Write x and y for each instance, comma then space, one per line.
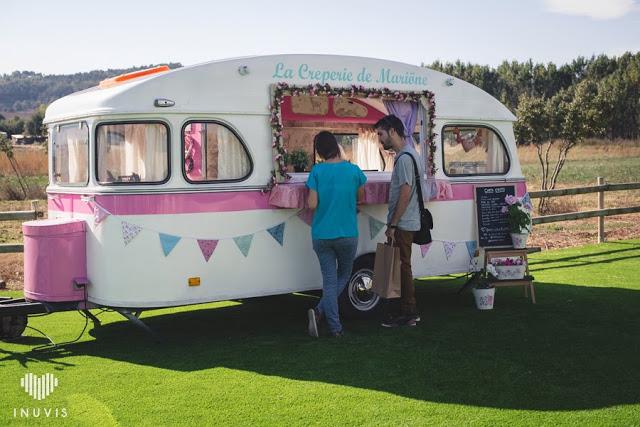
387, 145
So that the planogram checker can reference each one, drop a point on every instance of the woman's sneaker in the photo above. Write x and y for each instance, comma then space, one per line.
313, 323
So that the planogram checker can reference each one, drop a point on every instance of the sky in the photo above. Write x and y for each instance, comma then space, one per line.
69, 36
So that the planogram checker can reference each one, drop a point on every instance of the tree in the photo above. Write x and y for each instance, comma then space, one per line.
562, 121
34, 124
6, 148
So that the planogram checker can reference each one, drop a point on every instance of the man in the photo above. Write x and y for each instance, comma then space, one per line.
403, 218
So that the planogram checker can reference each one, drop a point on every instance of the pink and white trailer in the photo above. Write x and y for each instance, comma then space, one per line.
174, 187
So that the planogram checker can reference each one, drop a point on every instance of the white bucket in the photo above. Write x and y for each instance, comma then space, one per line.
484, 298
519, 240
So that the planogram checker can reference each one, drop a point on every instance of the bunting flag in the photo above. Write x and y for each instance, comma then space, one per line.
207, 247
244, 243
448, 248
526, 201
306, 215
374, 227
129, 232
99, 214
168, 242
277, 233
471, 247
425, 248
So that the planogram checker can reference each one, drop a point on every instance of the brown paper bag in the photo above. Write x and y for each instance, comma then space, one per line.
386, 271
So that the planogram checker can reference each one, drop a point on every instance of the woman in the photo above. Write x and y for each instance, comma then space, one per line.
334, 185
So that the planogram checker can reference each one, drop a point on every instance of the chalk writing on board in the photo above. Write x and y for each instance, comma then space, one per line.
493, 229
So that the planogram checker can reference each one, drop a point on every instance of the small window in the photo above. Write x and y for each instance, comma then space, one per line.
212, 152
473, 150
70, 153
132, 153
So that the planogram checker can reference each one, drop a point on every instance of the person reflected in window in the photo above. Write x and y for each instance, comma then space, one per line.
335, 186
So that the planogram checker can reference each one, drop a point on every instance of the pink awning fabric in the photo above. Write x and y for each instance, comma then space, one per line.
294, 194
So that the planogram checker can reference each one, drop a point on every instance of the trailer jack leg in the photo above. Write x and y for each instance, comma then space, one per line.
134, 317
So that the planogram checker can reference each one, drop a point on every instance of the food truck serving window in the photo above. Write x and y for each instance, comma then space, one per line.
132, 153
70, 154
213, 152
473, 150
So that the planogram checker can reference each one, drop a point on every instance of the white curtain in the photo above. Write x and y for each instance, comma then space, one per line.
76, 155
155, 159
366, 151
233, 163
495, 154
145, 152
134, 151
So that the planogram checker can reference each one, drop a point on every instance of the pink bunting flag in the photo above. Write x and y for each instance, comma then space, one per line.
207, 247
99, 214
424, 249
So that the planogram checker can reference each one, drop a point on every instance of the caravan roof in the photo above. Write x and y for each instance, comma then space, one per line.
241, 86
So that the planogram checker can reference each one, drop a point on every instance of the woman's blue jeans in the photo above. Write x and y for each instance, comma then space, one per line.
336, 261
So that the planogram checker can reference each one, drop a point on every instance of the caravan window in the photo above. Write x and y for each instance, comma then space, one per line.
70, 154
473, 150
213, 152
132, 153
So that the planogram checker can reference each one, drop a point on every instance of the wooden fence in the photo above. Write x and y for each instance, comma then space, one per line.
34, 213
601, 212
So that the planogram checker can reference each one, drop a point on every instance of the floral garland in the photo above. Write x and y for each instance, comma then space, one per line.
283, 89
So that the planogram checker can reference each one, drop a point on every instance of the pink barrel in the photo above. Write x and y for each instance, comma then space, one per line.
54, 255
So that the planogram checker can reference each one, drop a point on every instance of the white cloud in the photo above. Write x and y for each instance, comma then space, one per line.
597, 9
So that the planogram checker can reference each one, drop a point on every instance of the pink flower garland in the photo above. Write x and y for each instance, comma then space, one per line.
283, 89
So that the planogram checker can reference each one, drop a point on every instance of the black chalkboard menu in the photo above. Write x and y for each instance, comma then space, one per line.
493, 228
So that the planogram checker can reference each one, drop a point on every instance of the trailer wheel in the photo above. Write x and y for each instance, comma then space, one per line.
357, 300
12, 326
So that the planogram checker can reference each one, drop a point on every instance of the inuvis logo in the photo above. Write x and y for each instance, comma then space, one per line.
38, 387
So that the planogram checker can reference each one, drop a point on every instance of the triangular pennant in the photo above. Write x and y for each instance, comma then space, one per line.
277, 233
448, 248
425, 248
99, 214
526, 201
471, 247
168, 242
374, 227
207, 247
306, 215
129, 231
244, 243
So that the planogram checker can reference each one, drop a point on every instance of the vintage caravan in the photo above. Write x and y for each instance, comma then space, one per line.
172, 187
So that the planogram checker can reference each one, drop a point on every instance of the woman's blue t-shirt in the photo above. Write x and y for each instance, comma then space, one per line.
337, 187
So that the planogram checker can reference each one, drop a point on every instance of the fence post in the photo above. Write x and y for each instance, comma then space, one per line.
34, 208
600, 207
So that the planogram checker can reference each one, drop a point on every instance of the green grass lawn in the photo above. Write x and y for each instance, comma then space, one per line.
573, 358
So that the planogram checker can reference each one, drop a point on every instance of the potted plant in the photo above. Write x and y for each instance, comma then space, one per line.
483, 289
519, 218
299, 159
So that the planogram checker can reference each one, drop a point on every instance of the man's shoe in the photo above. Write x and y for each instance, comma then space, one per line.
399, 321
313, 323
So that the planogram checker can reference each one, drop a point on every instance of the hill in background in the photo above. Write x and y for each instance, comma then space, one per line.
21, 92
